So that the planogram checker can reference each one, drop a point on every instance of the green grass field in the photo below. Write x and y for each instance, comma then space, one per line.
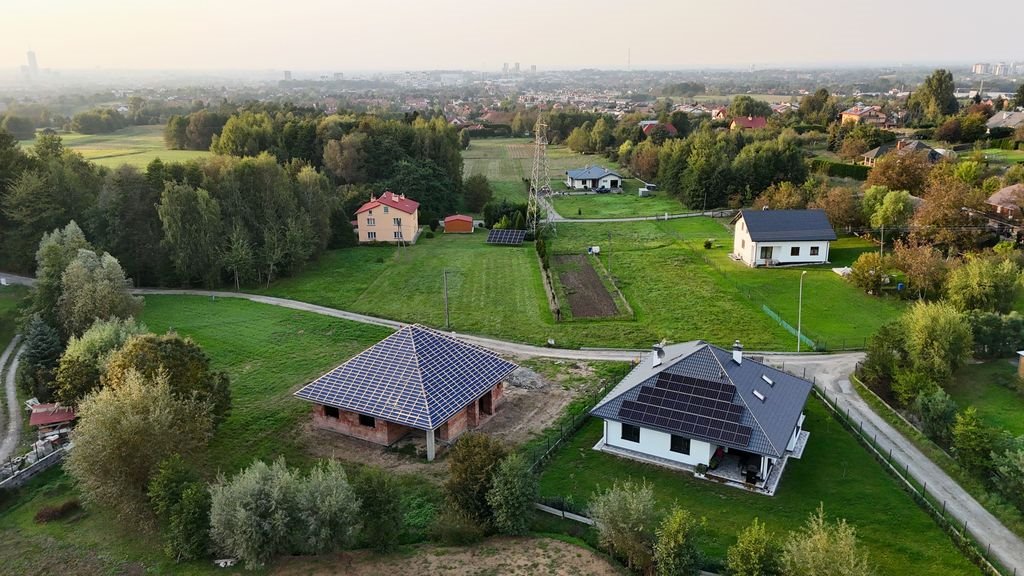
135, 145
1004, 156
984, 386
625, 205
10, 298
658, 265
835, 471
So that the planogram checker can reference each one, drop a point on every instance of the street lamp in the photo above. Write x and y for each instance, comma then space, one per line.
800, 310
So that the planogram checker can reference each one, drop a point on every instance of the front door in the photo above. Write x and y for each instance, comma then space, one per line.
766, 252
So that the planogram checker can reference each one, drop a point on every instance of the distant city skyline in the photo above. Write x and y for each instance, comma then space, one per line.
353, 35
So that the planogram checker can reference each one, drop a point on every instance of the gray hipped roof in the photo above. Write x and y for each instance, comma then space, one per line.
417, 376
591, 173
787, 225
762, 427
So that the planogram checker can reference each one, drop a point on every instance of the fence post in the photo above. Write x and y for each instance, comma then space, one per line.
943, 509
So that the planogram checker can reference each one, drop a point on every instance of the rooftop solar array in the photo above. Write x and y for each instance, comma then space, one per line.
418, 377
695, 408
506, 237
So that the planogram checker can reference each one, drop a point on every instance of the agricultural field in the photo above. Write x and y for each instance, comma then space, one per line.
835, 472
987, 387
135, 145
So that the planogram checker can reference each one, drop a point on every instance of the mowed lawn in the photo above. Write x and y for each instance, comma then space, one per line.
10, 299
984, 386
835, 471
269, 352
625, 205
135, 145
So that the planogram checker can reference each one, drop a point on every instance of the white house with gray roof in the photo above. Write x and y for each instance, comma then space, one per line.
693, 405
781, 237
592, 177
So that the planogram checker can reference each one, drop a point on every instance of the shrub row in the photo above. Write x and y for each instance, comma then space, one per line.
839, 169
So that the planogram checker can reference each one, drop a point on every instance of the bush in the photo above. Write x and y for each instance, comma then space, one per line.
823, 547
869, 272
187, 535
433, 224
381, 509
708, 244
456, 528
839, 169
512, 495
428, 234
472, 463
755, 553
59, 512
677, 551
625, 516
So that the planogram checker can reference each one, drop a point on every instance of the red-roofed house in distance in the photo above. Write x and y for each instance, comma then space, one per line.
389, 218
51, 417
748, 123
650, 127
458, 224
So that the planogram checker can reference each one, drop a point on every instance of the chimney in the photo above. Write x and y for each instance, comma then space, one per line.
657, 355
737, 352
900, 144
372, 197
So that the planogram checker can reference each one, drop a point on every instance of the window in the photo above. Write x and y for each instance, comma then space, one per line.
630, 432
385, 209
398, 235
331, 412
814, 250
396, 221
794, 251
368, 421
743, 243
371, 221
680, 444
371, 235
766, 252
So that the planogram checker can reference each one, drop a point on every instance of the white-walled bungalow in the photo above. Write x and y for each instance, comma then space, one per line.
693, 405
592, 177
781, 237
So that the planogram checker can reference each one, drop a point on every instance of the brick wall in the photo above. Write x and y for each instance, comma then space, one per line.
347, 423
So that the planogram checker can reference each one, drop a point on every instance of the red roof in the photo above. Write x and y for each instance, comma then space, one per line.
458, 217
668, 128
750, 122
390, 199
49, 414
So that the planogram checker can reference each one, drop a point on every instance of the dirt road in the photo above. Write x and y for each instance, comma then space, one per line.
12, 432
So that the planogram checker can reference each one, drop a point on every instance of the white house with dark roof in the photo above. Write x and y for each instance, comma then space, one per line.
592, 177
693, 405
417, 379
781, 237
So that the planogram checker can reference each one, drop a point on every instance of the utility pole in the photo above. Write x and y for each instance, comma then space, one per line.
609, 254
881, 247
800, 311
447, 323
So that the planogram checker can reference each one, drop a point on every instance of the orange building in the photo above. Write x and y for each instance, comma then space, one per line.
458, 224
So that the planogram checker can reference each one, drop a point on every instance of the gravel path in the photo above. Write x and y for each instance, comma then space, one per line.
12, 434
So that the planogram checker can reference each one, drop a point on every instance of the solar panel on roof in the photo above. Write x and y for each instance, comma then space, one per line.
506, 237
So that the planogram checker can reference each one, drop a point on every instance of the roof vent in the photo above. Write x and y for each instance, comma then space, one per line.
759, 396
768, 380
737, 352
657, 354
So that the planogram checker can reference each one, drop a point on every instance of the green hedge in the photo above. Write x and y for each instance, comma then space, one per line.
839, 169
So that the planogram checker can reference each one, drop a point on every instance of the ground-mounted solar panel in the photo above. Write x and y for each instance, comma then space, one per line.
506, 237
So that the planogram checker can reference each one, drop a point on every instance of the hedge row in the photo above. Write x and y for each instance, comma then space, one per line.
839, 169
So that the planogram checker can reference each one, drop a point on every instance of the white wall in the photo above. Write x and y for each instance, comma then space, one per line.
781, 252
657, 444
742, 245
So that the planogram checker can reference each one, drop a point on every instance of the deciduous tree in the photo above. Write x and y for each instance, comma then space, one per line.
512, 494
823, 547
625, 518
477, 192
677, 548
898, 171
473, 462
938, 339
755, 553
93, 287
984, 284
85, 359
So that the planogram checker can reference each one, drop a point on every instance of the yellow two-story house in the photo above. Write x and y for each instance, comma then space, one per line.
390, 218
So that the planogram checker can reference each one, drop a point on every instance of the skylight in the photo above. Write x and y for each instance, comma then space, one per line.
758, 395
768, 380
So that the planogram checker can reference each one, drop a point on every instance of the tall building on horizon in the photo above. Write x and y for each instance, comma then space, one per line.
287, 75
533, 68
504, 68
979, 68
33, 65
517, 68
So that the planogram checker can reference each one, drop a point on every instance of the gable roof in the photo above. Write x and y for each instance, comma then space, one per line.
591, 173
699, 392
861, 110
392, 200
50, 414
1008, 197
751, 122
786, 225
670, 129
458, 217
418, 377
1005, 120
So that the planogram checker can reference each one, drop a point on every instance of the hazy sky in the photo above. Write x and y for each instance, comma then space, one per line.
347, 35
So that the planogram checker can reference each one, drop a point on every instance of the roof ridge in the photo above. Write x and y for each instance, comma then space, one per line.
419, 373
744, 400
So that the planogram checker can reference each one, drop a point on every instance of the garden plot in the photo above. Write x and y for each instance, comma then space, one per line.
582, 288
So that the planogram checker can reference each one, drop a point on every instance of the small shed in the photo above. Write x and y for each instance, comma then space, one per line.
458, 224
50, 417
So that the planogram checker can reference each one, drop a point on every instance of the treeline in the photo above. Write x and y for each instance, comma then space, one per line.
98, 121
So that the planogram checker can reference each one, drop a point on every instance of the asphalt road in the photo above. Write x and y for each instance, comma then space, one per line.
830, 373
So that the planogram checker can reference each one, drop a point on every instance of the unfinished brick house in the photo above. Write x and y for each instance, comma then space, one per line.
415, 380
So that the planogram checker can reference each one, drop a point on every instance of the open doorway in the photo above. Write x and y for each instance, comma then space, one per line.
486, 404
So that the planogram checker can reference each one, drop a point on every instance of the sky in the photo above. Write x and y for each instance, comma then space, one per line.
359, 35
